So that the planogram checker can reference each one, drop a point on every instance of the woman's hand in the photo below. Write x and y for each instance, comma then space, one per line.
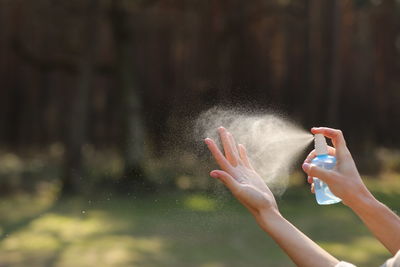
344, 180
239, 176
250, 189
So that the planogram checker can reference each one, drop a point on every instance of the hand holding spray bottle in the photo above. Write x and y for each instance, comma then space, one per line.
323, 194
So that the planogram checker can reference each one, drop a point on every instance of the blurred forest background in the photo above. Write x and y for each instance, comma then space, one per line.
97, 96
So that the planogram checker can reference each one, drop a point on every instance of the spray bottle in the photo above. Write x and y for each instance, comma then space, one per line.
323, 194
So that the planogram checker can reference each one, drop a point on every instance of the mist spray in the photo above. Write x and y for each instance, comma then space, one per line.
323, 194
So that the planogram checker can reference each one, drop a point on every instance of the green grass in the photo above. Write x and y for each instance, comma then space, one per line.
175, 229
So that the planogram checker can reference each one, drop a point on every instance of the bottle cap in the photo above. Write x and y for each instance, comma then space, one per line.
321, 147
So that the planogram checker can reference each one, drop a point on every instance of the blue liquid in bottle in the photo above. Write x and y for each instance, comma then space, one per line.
323, 194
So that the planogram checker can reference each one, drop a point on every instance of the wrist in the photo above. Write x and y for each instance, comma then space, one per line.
267, 216
360, 199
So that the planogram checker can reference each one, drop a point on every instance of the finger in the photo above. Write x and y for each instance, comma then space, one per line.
310, 156
244, 157
226, 143
217, 154
313, 154
314, 171
310, 180
233, 144
312, 188
337, 139
226, 179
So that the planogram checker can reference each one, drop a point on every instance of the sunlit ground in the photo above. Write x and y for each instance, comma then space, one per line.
175, 229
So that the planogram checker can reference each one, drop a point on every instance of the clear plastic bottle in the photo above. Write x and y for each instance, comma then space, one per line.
323, 194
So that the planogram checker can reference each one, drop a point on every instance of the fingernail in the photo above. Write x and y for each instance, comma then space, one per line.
306, 167
214, 174
207, 140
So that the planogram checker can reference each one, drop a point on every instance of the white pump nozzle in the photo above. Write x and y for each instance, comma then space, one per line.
321, 147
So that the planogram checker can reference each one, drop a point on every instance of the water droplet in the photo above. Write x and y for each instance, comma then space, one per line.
83, 211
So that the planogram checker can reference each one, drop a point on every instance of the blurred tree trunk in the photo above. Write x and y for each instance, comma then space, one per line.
77, 121
222, 25
384, 25
4, 56
133, 125
315, 58
335, 77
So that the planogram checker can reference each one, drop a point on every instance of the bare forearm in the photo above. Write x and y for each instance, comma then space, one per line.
301, 249
380, 220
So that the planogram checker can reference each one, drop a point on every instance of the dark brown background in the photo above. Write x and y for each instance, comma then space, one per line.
125, 75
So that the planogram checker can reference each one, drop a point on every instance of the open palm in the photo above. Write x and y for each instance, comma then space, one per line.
238, 174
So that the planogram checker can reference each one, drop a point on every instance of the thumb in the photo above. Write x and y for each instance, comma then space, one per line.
315, 171
225, 178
